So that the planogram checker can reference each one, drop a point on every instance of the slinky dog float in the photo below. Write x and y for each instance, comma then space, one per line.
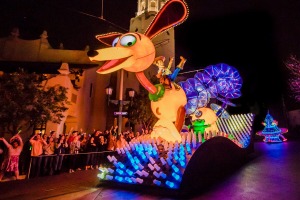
169, 158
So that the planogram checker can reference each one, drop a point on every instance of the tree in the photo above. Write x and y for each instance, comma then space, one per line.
25, 103
293, 66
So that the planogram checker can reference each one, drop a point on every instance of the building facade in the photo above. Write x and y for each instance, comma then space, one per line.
88, 110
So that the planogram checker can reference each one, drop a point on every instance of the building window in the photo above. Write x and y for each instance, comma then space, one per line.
40, 129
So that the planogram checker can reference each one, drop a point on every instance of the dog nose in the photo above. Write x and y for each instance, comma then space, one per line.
92, 53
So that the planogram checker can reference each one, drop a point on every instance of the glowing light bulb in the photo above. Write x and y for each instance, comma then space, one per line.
139, 172
163, 161
176, 169
140, 166
176, 176
114, 158
121, 172
119, 178
163, 175
157, 182
133, 180
129, 172
169, 161
110, 170
139, 180
156, 174
170, 184
109, 177
152, 161
122, 151
101, 176
151, 166
121, 165
146, 174
156, 167
109, 158
128, 180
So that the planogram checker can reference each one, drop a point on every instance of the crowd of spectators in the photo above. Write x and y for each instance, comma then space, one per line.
49, 154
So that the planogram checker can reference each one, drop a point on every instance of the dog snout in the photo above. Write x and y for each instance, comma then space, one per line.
92, 53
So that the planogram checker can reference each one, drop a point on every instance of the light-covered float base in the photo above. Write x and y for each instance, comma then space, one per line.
157, 163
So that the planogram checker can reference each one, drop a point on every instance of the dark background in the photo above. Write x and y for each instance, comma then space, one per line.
256, 37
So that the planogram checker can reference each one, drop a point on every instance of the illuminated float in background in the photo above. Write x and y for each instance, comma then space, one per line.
170, 158
271, 132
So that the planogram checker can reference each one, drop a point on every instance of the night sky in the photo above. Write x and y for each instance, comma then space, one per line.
256, 37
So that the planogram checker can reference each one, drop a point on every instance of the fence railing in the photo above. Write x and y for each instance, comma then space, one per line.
45, 165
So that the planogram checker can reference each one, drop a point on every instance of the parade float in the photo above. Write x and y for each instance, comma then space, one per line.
271, 132
169, 158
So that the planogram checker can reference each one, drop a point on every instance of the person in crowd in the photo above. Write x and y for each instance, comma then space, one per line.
91, 148
53, 134
83, 142
130, 136
97, 135
74, 150
2, 153
37, 144
45, 137
11, 164
102, 149
137, 134
112, 139
106, 135
121, 142
145, 132
49, 149
61, 148
25, 157
71, 137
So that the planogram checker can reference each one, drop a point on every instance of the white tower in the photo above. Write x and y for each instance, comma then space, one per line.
165, 42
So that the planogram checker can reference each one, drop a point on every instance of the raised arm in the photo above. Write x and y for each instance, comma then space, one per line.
20, 139
32, 138
5, 142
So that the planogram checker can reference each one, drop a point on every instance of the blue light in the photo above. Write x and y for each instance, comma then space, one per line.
109, 177
154, 152
182, 163
176, 176
119, 178
116, 164
170, 184
176, 169
137, 161
121, 165
121, 172
110, 170
127, 179
176, 158
157, 182
129, 172
169, 161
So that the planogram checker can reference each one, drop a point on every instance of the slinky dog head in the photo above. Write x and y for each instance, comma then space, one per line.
132, 52
135, 52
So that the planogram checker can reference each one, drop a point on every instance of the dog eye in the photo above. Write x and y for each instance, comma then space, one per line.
128, 40
114, 43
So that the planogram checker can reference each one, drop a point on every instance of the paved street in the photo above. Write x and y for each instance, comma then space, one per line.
273, 172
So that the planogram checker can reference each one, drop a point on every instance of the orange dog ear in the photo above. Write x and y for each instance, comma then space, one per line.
173, 13
108, 38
